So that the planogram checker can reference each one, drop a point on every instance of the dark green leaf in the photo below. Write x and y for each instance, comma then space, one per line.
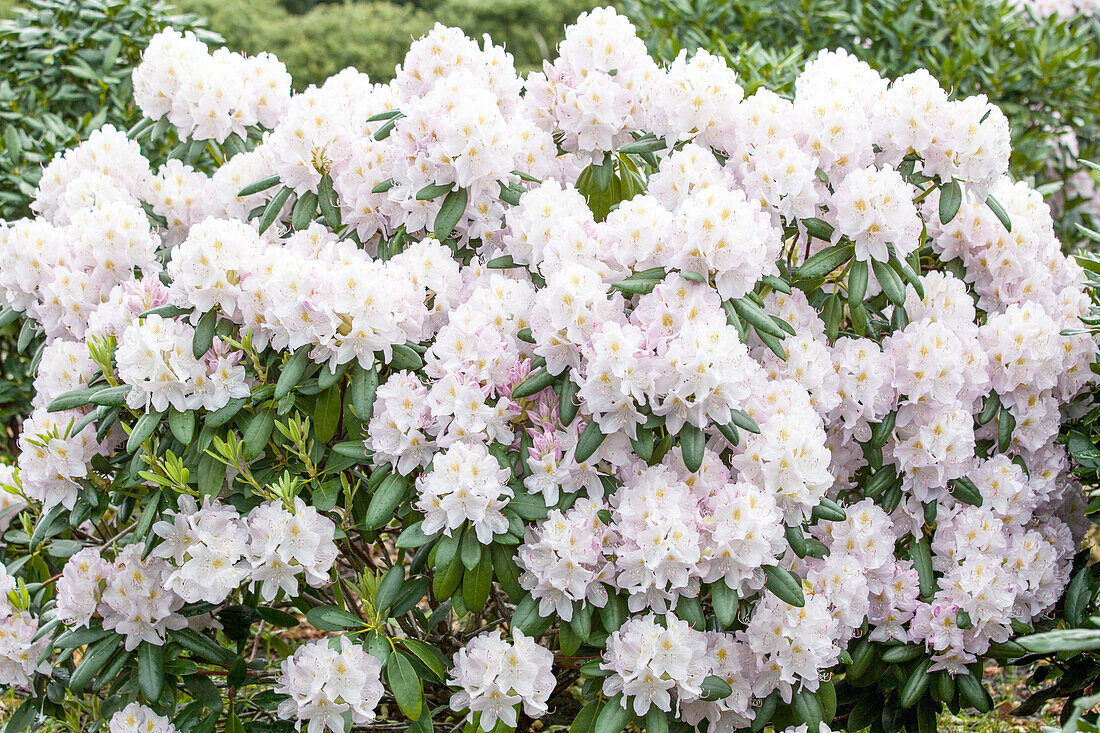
950, 200
332, 618
405, 685
454, 206
785, 585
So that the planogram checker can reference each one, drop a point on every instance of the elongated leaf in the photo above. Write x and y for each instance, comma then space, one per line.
261, 185
795, 539
743, 420
326, 415
825, 261
413, 536
857, 281
432, 658
716, 688
389, 495
999, 211
506, 572
274, 206
454, 206
973, 693
568, 404
364, 386
1065, 640
902, 653
72, 400
224, 414
304, 210
433, 191
990, 408
79, 637
692, 445
822, 230
292, 372
143, 428
204, 334
448, 572
950, 200
203, 646
644, 145
758, 318
110, 396
527, 618
182, 425
539, 380
829, 510
388, 588
1006, 425
916, 685
332, 618
613, 717
890, 281
656, 720
470, 550
258, 432
807, 709
785, 585
966, 491
921, 554
405, 685
326, 199
150, 670
94, 660
590, 441
278, 618
405, 357
477, 583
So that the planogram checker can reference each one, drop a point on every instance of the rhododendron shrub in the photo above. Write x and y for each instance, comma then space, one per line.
607, 394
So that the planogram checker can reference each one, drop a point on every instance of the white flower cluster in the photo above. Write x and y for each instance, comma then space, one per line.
130, 595
466, 484
136, 718
208, 552
92, 236
206, 546
155, 358
209, 96
284, 544
563, 560
328, 682
312, 290
19, 650
649, 663
214, 550
54, 455
494, 676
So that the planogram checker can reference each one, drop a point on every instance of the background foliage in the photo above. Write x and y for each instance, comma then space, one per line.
64, 71
1044, 73
373, 36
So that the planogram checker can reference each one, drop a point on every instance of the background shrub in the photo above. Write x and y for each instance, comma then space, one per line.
64, 71
1042, 72
374, 36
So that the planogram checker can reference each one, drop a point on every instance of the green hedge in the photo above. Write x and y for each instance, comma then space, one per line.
373, 36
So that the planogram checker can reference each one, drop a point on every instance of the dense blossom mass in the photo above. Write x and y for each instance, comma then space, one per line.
737, 379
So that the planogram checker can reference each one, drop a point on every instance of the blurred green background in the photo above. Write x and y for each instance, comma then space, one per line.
316, 39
